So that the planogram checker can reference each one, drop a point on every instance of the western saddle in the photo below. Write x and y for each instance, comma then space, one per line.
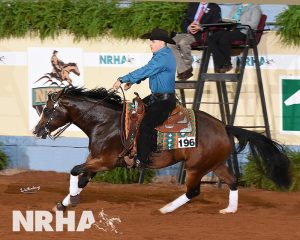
178, 121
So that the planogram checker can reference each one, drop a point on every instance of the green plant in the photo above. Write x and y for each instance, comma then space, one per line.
142, 17
86, 19
3, 160
295, 167
122, 175
89, 18
289, 25
254, 176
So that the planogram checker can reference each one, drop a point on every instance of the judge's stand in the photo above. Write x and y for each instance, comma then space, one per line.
227, 109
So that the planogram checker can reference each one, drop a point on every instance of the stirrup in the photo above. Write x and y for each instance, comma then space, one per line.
132, 162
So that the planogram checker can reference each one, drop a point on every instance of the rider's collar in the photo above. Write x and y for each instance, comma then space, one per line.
160, 50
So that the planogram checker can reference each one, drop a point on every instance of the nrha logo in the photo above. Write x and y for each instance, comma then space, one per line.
38, 221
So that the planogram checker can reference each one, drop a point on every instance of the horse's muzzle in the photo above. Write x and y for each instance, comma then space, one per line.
40, 133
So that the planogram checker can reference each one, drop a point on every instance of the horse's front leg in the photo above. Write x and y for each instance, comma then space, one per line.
79, 178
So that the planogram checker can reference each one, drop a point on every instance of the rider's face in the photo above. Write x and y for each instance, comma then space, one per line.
156, 45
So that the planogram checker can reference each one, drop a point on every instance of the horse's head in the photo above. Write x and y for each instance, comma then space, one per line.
54, 115
72, 67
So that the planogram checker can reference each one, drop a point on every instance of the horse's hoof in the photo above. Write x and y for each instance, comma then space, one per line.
228, 210
58, 207
74, 200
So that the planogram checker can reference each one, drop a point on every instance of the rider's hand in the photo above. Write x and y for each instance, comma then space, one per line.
194, 27
117, 84
127, 86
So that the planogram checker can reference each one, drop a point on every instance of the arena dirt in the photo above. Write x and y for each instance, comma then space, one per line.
261, 215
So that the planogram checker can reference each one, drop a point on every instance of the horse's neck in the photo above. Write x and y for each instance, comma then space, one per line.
90, 115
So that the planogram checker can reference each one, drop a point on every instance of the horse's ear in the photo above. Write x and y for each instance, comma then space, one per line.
54, 96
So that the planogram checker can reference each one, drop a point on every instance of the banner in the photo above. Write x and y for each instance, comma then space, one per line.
136, 60
290, 103
49, 70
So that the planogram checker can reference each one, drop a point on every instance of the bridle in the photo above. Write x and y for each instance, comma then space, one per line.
62, 129
51, 112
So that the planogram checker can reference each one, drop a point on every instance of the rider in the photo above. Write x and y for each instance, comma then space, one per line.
57, 64
161, 71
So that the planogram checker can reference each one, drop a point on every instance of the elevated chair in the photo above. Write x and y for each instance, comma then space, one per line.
237, 48
227, 116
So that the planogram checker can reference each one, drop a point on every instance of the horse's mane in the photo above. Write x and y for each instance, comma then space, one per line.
96, 94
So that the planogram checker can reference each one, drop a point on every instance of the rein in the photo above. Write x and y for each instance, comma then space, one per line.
122, 125
61, 130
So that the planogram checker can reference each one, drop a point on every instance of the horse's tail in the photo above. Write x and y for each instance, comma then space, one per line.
276, 162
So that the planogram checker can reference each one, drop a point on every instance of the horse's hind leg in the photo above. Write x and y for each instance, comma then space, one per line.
224, 174
193, 181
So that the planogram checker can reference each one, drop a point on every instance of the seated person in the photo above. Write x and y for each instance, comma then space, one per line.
220, 42
197, 14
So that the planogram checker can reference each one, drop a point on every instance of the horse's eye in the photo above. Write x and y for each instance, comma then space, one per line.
51, 96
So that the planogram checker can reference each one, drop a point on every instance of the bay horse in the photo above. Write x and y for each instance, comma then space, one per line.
64, 75
97, 113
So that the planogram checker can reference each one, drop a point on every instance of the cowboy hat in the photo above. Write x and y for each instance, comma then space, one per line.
158, 34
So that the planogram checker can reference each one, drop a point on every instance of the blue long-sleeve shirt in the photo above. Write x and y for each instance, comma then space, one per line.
160, 70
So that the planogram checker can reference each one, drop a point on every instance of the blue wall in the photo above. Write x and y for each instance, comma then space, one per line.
60, 155
64, 153
45, 154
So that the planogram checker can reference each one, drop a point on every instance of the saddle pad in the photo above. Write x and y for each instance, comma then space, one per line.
168, 140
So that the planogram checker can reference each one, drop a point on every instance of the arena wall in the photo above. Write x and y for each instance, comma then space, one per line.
23, 61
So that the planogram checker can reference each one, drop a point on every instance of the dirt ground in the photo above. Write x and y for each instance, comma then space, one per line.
262, 214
